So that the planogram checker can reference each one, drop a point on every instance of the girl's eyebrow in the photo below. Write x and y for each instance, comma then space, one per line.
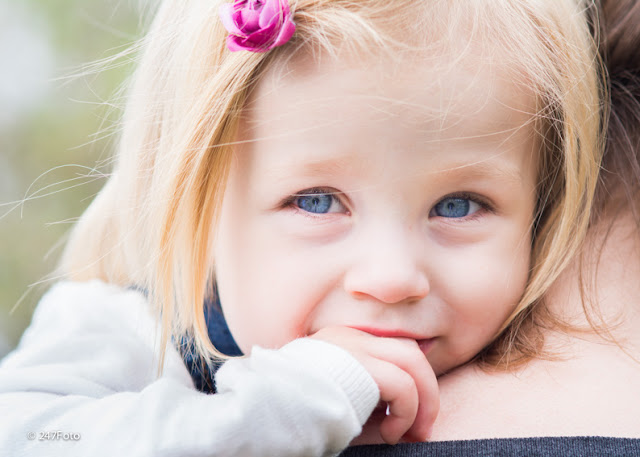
321, 167
491, 169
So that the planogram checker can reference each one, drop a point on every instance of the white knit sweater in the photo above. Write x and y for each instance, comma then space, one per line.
83, 382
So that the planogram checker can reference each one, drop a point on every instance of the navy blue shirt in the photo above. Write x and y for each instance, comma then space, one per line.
203, 375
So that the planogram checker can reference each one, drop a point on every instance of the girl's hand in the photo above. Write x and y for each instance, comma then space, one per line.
406, 381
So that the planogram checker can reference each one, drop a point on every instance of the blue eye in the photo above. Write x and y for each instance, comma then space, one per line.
315, 203
455, 207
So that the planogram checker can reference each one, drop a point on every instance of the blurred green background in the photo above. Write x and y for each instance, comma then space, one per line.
53, 131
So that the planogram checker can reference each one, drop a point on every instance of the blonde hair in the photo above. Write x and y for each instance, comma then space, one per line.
153, 223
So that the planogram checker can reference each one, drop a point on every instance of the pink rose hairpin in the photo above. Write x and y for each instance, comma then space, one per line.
257, 25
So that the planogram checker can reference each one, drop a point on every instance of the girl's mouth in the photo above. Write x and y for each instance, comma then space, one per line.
425, 344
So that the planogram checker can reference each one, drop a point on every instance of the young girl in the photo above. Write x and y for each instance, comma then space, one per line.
374, 193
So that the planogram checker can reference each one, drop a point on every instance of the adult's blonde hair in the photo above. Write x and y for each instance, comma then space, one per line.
153, 223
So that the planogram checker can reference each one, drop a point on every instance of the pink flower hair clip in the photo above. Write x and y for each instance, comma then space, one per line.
257, 25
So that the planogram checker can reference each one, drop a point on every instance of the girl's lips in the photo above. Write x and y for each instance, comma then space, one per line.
425, 344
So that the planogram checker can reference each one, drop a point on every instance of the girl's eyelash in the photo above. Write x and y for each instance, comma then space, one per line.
308, 192
482, 201
486, 206
289, 202
316, 191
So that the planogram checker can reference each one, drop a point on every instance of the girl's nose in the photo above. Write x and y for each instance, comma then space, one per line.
389, 272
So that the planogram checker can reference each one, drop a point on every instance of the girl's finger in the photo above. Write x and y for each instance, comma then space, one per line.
406, 354
428, 407
398, 389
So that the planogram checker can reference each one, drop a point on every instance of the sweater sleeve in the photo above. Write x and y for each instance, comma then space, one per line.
83, 382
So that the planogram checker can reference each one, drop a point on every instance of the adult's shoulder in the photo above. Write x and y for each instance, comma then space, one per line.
592, 393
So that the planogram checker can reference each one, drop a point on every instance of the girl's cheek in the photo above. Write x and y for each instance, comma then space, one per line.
282, 289
480, 280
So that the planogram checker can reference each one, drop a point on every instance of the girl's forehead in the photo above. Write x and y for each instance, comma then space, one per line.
439, 95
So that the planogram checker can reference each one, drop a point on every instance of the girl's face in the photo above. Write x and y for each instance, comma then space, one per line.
390, 196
